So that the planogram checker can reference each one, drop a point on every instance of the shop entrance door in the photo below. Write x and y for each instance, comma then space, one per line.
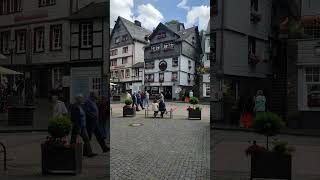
168, 92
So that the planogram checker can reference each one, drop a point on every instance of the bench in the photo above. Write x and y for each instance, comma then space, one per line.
146, 113
4, 151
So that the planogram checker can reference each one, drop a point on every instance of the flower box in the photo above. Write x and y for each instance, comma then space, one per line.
194, 114
128, 111
61, 158
271, 165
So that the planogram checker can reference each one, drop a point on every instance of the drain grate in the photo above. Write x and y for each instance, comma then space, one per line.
136, 124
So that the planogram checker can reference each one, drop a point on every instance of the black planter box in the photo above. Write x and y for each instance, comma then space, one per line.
194, 114
57, 158
270, 165
20, 115
129, 111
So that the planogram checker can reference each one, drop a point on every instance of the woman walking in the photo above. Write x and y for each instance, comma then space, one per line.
155, 108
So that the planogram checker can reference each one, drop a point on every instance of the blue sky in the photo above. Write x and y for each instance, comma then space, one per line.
151, 12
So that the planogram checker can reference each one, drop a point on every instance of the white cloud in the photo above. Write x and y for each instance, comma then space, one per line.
183, 5
121, 8
149, 16
198, 15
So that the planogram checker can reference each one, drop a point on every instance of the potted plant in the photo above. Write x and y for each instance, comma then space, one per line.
128, 110
266, 163
57, 155
194, 111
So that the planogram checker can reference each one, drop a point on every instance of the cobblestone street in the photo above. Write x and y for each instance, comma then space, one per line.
160, 148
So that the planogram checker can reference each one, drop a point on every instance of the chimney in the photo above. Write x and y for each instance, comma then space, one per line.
137, 23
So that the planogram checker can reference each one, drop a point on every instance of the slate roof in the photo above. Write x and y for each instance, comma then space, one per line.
186, 33
136, 32
92, 10
138, 65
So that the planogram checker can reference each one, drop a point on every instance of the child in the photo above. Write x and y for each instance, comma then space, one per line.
155, 107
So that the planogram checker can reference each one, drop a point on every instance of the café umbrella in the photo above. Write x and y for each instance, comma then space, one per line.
6, 71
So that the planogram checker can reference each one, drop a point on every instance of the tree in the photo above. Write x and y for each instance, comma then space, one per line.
174, 21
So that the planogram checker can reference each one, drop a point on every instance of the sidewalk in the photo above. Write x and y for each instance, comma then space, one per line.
285, 131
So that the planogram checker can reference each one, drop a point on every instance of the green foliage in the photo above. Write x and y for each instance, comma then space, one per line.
268, 123
128, 102
172, 22
194, 100
59, 127
282, 147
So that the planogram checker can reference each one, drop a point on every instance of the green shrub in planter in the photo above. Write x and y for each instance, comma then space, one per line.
194, 101
59, 127
268, 124
282, 148
128, 102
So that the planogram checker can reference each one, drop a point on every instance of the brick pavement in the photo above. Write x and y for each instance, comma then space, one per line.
24, 160
160, 149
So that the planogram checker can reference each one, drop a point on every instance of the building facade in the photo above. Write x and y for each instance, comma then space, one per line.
205, 64
127, 55
36, 37
171, 59
242, 65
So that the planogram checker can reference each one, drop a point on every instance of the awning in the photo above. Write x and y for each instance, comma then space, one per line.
5, 71
113, 84
3, 57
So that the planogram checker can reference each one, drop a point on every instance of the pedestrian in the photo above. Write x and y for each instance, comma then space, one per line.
162, 108
142, 99
162, 96
155, 108
146, 99
59, 108
259, 102
128, 95
103, 105
134, 99
92, 117
78, 119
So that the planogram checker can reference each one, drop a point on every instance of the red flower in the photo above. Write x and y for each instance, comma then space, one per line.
254, 149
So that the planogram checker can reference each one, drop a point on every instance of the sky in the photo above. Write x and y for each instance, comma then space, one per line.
151, 12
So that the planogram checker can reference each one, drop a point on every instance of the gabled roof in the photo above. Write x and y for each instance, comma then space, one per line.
92, 10
136, 32
186, 33
158, 27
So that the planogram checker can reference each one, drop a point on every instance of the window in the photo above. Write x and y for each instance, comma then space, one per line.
175, 62
39, 39
116, 74
56, 37
124, 60
125, 50
114, 52
207, 89
95, 84
5, 42
254, 5
312, 79
44, 3
149, 65
125, 38
21, 41
137, 74
312, 31
127, 73
155, 48
161, 77
113, 62
86, 35
9, 6
174, 76
189, 64
149, 77
168, 46
122, 74
252, 46
161, 35
117, 40
193, 40
189, 77
57, 75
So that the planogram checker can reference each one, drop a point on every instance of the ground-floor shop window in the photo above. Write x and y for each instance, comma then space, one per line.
95, 84
312, 79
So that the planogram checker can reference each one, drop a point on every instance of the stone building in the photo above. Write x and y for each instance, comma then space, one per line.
127, 54
171, 59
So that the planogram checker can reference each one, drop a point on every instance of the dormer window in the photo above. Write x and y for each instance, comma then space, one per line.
125, 38
161, 35
155, 48
117, 40
168, 46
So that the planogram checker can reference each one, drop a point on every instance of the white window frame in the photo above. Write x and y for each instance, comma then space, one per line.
127, 73
95, 84
39, 39
5, 42
54, 78
86, 35
56, 37
21, 41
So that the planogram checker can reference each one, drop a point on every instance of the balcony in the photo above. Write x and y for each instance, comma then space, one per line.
255, 17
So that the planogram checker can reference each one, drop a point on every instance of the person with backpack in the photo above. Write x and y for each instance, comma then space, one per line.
162, 108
